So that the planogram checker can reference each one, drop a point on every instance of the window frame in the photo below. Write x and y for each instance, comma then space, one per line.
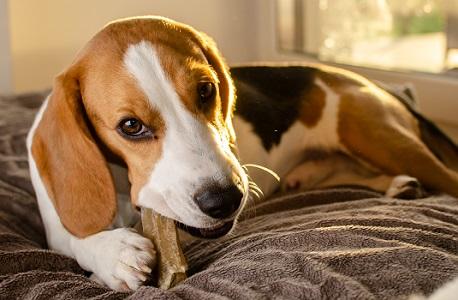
437, 92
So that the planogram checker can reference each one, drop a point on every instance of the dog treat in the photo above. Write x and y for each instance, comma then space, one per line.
162, 231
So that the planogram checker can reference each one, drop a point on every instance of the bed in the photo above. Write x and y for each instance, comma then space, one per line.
342, 243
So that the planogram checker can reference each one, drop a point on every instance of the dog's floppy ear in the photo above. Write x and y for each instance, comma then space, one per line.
70, 164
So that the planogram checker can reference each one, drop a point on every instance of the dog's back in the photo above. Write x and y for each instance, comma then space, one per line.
273, 97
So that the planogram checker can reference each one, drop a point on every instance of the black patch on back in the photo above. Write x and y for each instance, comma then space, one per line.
269, 98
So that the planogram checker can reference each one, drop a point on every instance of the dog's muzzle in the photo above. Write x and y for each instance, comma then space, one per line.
219, 202
207, 233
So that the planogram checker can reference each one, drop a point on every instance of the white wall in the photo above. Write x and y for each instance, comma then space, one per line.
46, 34
5, 57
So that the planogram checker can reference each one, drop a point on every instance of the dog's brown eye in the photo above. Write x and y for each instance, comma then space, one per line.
132, 127
206, 92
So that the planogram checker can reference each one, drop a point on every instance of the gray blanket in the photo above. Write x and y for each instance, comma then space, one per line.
329, 244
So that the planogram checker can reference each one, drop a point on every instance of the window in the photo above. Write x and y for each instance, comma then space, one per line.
401, 35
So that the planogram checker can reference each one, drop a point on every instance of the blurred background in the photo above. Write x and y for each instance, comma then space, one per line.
395, 41
408, 35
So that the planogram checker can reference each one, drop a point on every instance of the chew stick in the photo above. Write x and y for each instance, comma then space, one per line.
163, 233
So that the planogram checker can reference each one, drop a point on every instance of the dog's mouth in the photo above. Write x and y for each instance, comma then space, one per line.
207, 233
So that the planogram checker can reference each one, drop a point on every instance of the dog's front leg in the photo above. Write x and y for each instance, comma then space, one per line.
121, 258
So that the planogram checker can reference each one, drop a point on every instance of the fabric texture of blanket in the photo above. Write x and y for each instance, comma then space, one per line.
329, 244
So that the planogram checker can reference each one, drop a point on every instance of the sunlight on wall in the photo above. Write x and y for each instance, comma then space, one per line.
46, 34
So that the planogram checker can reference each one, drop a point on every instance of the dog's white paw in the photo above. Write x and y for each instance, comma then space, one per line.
122, 258
405, 187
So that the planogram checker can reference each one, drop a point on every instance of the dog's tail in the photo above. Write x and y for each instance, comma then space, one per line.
435, 139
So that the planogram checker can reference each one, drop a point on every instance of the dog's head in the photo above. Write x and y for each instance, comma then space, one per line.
158, 95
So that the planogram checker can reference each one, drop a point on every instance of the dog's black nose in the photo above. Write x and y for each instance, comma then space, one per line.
218, 202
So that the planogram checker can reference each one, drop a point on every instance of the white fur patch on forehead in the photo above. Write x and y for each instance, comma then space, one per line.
143, 63
193, 152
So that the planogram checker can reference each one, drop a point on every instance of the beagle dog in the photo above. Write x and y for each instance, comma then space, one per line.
153, 98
